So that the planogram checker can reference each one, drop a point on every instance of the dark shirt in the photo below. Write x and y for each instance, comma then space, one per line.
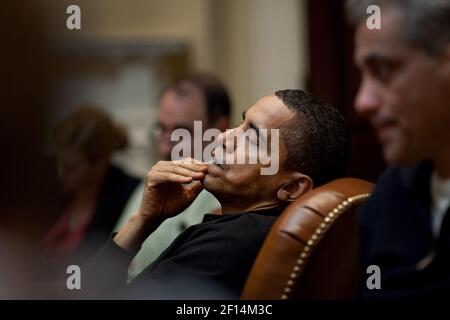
208, 260
396, 235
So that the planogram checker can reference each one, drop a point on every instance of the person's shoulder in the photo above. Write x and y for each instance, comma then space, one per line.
261, 217
242, 229
403, 178
399, 186
257, 222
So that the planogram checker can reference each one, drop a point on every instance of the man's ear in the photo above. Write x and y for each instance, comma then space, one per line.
222, 123
297, 185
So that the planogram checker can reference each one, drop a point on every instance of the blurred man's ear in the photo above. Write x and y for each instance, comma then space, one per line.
222, 123
297, 185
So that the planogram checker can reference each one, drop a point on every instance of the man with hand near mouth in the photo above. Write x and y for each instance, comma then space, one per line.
213, 259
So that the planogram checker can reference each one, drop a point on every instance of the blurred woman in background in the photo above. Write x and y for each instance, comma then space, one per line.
96, 191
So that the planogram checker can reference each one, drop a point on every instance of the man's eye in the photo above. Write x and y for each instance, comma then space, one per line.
383, 71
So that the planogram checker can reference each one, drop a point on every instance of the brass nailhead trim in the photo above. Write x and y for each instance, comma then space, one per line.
297, 269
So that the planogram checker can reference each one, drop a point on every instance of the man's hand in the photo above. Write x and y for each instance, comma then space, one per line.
170, 187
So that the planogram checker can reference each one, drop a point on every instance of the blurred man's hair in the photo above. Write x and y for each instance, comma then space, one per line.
317, 139
425, 23
217, 100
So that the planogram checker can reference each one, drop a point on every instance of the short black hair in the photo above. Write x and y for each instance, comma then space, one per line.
317, 139
217, 99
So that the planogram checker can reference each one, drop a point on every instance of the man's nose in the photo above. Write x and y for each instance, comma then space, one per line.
367, 100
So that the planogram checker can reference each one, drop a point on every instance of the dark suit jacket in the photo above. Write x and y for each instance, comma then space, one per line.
396, 235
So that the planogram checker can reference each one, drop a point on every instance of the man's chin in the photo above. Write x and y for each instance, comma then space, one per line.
396, 155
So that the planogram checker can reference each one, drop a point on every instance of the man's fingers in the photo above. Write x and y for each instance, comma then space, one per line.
183, 171
192, 164
173, 177
195, 167
188, 163
187, 172
175, 174
177, 169
189, 160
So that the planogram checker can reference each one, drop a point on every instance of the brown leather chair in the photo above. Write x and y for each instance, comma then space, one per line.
311, 251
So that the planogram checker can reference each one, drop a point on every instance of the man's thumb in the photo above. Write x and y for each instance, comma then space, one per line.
196, 188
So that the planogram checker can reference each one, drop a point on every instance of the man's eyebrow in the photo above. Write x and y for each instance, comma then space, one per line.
371, 59
374, 58
364, 59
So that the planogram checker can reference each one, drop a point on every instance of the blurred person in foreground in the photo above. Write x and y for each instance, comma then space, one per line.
212, 259
95, 190
405, 94
192, 97
29, 197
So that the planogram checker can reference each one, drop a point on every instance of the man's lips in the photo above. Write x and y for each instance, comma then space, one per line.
383, 123
384, 129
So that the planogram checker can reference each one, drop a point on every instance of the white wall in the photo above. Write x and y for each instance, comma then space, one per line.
260, 47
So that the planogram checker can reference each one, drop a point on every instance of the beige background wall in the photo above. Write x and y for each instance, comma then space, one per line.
255, 46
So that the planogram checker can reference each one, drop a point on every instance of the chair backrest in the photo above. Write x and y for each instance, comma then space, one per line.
311, 251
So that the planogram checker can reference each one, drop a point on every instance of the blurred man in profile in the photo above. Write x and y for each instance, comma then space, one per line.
405, 94
193, 97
